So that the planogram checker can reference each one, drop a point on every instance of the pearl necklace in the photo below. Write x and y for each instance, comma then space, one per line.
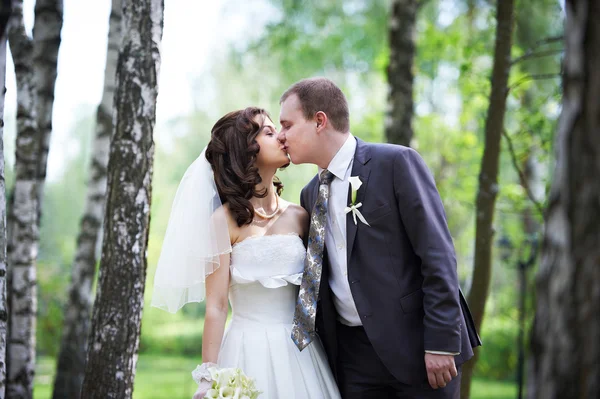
271, 216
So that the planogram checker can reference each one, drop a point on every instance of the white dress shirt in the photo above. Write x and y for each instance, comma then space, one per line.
335, 233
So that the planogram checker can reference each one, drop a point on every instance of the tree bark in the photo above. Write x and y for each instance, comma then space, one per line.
117, 313
77, 320
488, 176
22, 219
23, 215
566, 334
398, 121
5, 11
46, 42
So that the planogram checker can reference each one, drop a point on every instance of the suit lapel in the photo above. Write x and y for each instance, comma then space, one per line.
359, 168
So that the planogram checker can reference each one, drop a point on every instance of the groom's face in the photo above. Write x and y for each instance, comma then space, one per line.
298, 134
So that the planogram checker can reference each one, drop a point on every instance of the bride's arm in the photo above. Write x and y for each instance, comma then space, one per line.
217, 287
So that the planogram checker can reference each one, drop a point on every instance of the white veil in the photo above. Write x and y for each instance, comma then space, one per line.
196, 235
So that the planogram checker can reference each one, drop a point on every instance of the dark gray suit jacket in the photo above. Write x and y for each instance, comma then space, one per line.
401, 269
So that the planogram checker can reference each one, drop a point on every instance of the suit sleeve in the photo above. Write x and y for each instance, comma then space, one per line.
304, 204
423, 216
303, 200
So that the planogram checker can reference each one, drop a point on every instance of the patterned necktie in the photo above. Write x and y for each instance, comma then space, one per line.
306, 305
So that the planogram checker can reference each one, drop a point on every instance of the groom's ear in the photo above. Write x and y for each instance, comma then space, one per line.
321, 120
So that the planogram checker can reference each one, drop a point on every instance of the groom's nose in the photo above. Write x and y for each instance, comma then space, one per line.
281, 137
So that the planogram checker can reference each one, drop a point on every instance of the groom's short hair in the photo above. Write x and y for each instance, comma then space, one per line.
321, 94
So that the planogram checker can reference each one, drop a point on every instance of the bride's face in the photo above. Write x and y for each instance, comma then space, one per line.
272, 153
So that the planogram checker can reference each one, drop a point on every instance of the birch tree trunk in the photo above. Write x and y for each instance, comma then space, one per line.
5, 10
46, 42
117, 313
76, 328
399, 114
23, 217
566, 334
488, 177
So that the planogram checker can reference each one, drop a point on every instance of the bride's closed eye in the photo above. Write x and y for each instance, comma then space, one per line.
269, 131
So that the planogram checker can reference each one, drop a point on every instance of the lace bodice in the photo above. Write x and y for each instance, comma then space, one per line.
266, 272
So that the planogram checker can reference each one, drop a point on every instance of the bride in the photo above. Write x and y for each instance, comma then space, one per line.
231, 238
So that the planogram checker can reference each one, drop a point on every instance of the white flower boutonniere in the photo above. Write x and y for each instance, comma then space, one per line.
355, 183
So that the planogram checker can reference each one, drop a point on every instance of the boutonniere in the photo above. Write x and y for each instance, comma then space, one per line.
355, 183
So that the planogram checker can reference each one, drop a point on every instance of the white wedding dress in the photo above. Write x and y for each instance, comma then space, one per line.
265, 276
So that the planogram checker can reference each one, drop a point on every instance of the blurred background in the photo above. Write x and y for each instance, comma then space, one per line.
224, 55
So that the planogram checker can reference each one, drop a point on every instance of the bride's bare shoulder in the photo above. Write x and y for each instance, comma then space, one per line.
297, 210
223, 213
300, 214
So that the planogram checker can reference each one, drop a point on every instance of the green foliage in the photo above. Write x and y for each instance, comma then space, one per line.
52, 291
61, 213
486, 389
183, 337
498, 355
500, 329
312, 37
64, 199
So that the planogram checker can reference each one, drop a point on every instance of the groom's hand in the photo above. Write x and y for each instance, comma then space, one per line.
440, 369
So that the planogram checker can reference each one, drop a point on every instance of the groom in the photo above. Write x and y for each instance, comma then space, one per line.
380, 275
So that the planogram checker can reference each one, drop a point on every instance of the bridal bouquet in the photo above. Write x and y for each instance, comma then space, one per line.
229, 383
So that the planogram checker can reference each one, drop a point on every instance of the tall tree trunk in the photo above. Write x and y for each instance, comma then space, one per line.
471, 12
46, 42
530, 219
566, 341
5, 11
399, 114
117, 313
488, 176
76, 328
23, 217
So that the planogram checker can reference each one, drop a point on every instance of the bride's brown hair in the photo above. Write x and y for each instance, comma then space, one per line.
232, 152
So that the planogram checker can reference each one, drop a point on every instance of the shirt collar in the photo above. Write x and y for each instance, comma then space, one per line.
343, 158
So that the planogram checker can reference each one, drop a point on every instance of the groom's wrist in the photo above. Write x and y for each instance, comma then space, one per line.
443, 353
445, 339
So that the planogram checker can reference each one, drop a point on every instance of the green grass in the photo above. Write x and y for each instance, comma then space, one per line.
157, 377
484, 389
169, 377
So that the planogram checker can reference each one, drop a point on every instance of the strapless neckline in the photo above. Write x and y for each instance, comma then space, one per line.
257, 237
